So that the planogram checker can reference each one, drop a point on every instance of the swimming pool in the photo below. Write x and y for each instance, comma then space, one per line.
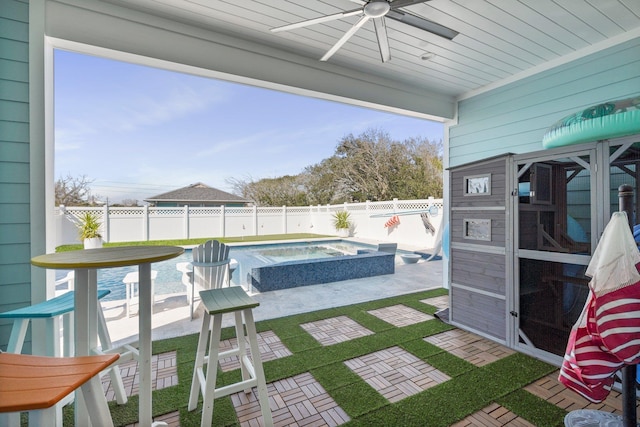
169, 280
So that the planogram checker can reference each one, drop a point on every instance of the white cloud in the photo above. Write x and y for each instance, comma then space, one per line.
89, 118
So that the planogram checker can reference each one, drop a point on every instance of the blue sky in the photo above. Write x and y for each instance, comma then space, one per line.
138, 131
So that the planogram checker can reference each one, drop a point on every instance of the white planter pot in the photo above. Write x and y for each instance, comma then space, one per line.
343, 232
93, 243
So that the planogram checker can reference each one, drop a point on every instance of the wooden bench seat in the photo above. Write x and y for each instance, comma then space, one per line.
37, 383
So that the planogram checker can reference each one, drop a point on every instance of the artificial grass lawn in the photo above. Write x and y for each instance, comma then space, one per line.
469, 390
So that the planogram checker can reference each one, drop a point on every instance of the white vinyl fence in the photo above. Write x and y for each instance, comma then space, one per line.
127, 224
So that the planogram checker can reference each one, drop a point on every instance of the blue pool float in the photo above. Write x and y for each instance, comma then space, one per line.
608, 120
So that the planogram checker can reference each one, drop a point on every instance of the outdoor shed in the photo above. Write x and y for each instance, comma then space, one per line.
479, 212
523, 230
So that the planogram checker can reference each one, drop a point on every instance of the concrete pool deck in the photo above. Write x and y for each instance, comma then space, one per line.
171, 312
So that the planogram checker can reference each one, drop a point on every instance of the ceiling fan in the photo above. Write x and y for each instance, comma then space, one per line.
377, 10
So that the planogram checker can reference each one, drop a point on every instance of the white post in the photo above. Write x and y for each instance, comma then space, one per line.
367, 209
185, 223
145, 223
446, 195
327, 214
105, 222
223, 211
255, 220
284, 219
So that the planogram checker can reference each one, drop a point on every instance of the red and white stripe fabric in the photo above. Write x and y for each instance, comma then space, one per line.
617, 322
607, 335
587, 367
393, 221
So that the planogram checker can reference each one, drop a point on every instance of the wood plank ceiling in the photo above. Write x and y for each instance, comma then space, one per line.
497, 39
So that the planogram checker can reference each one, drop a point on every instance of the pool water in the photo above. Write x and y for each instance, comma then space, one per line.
169, 280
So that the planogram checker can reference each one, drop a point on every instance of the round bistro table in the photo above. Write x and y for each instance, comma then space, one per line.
86, 263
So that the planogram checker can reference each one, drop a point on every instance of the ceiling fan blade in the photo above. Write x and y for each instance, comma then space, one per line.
326, 18
423, 24
344, 38
383, 40
395, 4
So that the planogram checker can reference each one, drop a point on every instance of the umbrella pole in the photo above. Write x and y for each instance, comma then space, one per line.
629, 396
625, 202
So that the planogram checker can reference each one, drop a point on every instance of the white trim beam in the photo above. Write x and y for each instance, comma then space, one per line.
150, 40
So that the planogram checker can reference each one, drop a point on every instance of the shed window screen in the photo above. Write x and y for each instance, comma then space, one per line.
477, 229
477, 185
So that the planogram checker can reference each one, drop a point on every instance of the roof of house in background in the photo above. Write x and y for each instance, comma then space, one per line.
197, 192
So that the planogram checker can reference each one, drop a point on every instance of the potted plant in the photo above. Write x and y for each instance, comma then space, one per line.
342, 223
89, 230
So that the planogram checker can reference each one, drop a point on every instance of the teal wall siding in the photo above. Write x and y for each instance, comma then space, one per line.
513, 118
15, 287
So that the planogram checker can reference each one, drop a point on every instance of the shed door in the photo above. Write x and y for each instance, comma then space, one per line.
554, 241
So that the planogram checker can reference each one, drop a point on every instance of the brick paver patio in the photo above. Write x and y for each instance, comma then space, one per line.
550, 389
296, 401
438, 302
269, 344
335, 330
493, 416
395, 373
470, 347
163, 374
400, 315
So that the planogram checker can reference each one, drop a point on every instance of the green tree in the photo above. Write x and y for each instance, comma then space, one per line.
371, 166
322, 185
286, 190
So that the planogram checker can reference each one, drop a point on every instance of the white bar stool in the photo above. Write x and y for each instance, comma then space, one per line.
217, 302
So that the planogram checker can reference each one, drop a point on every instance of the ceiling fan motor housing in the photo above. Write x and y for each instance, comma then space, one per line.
377, 8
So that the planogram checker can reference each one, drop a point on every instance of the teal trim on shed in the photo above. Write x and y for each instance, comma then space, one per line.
514, 117
15, 236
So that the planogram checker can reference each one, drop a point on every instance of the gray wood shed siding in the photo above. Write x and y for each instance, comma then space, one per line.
498, 225
479, 270
496, 198
478, 267
15, 288
479, 312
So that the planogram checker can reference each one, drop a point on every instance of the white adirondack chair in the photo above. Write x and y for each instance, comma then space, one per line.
208, 270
